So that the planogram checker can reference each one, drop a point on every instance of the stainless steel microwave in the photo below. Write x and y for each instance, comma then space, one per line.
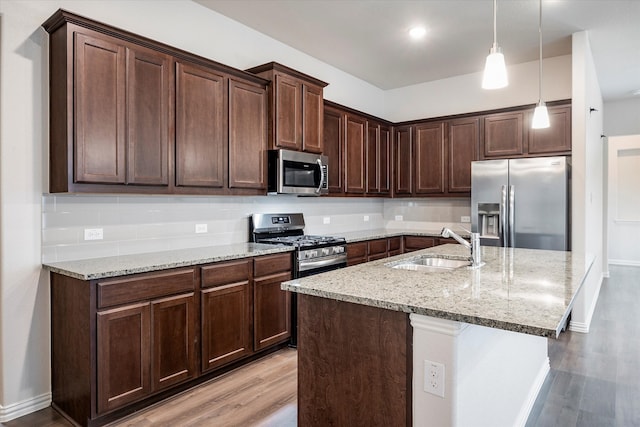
294, 172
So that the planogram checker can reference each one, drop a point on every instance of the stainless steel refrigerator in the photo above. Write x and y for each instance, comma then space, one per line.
522, 203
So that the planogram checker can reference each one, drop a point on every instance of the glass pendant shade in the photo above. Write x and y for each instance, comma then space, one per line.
540, 117
495, 70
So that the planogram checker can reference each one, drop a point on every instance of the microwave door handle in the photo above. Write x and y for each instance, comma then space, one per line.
321, 176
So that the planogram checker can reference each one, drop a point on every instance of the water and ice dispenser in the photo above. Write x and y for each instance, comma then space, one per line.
489, 220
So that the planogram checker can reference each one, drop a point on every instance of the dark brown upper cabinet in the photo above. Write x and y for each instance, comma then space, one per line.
354, 143
504, 135
333, 136
462, 148
201, 131
378, 155
554, 140
132, 115
403, 161
122, 115
429, 158
296, 108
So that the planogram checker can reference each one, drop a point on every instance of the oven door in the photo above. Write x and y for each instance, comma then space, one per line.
292, 172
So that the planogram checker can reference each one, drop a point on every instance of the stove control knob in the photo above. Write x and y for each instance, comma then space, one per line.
325, 251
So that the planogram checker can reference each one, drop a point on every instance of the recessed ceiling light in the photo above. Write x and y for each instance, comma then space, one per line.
417, 33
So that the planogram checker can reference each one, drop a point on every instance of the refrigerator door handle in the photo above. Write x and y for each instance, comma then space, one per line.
512, 215
502, 232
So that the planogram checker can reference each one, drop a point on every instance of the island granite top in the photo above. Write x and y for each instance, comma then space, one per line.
521, 290
100, 268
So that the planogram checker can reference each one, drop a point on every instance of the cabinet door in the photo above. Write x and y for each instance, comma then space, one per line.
429, 158
99, 113
247, 136
226, 324
312, 111
148, 116
173, 331
355, 154
556, 139
288, 112
384, 160
373, 143
377, 249
271, 310
503, 135
403, 161
123, 356
201, 127
357, 253
464, 139
333, 136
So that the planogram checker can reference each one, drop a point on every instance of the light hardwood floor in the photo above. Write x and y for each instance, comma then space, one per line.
594, 379
262, 393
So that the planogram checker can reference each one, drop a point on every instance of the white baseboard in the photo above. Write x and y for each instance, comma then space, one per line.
17, 410
626, 262
583, 327
525, 410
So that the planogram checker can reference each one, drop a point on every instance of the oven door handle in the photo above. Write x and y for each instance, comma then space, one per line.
320, 165
324, 262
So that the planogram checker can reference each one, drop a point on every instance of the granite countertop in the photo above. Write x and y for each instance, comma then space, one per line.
381, 233
521, 290
100, 268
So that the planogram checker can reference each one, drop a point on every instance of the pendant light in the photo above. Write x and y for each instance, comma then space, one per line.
540, 114
495, 71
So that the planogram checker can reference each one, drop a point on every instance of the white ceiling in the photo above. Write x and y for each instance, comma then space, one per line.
369, 38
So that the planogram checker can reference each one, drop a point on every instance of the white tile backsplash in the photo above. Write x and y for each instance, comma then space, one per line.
137, 224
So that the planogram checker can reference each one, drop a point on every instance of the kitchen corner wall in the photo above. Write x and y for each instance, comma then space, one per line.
137, 224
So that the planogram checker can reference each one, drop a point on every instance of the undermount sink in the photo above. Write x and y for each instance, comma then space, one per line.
430, 263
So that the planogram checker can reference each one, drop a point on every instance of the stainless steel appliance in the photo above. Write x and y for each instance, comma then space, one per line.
312, 255
293, 172
522, 203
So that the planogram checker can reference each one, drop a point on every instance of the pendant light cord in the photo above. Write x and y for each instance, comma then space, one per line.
540, 42
495, 31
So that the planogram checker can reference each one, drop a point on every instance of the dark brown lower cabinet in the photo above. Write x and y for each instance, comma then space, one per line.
272, 311
395, 246
122, 343
377, 249
356, 253
226, 311
124, 354
414, 243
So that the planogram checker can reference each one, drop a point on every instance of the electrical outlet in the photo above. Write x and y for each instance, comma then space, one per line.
465, 219
434, 378
201, 228
93, 234
326, 220
366, 218
399, 218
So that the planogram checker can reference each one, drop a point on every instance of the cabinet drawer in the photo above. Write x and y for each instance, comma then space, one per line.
395, 243
413, 243
269, 264
377, 247
225, 273
144, 286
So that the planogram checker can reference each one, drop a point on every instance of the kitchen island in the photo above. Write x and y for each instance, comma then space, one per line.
385, 346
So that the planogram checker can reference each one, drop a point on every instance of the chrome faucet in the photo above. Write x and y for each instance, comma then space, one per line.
474, 246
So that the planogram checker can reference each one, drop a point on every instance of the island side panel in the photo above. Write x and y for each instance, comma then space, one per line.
354, 364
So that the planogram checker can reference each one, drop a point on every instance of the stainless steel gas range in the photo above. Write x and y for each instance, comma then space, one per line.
312, 255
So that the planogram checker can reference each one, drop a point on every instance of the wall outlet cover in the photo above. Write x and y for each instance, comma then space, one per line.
465, 219
93, 234
201, 228
399, 218
326, 220
434, 378
366, 218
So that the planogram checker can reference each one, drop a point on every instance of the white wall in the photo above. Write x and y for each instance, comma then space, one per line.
622, 117
588, 179
24, 288
464, 94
